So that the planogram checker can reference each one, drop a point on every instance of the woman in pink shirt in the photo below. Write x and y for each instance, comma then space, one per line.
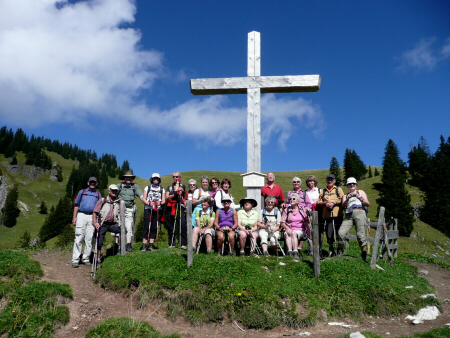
295, 222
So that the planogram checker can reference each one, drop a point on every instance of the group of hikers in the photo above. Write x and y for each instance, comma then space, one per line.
216, 217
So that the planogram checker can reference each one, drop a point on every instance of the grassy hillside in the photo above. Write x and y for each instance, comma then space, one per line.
425, 240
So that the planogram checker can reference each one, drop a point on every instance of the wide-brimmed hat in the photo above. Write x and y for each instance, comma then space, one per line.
128, 174
248, 199
155, 175
351, 180
226, 197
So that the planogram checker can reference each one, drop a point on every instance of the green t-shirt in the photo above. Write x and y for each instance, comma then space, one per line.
204, 217
247, 219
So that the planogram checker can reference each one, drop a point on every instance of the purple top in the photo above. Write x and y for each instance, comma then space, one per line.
226, 218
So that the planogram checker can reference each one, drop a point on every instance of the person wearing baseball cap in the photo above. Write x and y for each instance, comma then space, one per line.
331, 202
82, 219
354, 204
128, 191
154, 198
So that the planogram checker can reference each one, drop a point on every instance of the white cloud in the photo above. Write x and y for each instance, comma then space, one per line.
423, 56
63, 62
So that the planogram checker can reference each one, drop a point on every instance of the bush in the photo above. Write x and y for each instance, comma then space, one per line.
11, 211
66, 237
25, 240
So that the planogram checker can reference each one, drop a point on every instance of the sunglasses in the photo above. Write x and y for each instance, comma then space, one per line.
214, 182
92, 182
292, 199
175, 176
271, 202
192, 185
351, 184
226, 202
296, 182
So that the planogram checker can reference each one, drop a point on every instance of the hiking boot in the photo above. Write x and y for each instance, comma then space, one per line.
208, 252
289, 254
87, 263
364, 256
151, 247
194, 248
265, 253
242, 253
340, 252
252, 253
331, 253
75, 265
129, 248
231, 253
144, 248
295, 254
183, 247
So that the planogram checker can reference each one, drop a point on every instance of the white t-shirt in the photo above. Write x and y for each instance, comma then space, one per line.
197, 193
154, 195
218, 199
313, 195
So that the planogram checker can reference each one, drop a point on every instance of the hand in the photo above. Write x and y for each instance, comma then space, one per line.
74, 221
330, 205
158, 203
283, 205
178, 180
97, 225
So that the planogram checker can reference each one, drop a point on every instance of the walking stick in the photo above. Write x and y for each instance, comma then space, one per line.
149, 226
179, 224
157, 228
94, 265
174, 225
334, 231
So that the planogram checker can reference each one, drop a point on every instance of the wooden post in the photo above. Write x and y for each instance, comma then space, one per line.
395, 241
368, 234
134, 225
123, 237
190, 252
316, 245
379, 233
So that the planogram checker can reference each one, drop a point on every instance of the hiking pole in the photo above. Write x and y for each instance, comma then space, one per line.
94, 266
174, 226
225, 239
149, 226
157, 228
334, 231
179, 223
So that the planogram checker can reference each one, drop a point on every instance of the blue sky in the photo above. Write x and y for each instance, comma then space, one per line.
113, 76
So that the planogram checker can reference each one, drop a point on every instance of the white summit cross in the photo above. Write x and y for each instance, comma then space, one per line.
253, 85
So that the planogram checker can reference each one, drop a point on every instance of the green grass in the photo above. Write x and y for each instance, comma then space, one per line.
33, 309
125, 328
434, 333
260, 293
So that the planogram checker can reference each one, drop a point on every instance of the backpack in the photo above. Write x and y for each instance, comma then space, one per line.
201, 213
82, 194
121, 187
337, 192
220, 214
290, 191
274, 215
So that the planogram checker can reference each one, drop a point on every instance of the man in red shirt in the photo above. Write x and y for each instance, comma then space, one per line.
272, 189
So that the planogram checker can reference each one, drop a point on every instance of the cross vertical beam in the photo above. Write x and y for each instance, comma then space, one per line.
254, 104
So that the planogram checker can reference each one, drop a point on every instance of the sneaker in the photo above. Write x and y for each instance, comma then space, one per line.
289, 254
75, 265
265, 253
194, 248
151, 247
252, 253
183, 247
332, 253
87, 263
295, 254
340, 252
144, 248
364, 256
231, 253
129, 247
208, 252
242, 253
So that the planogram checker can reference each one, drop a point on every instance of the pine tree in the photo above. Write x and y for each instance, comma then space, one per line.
370, 172
55, 221
14, 160
11, 211
43, 208
336, 171
376, 172
393, 195
419, 161
25, 240
436, 210
353, 165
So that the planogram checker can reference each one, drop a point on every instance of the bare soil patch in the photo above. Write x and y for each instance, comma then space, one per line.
92, 305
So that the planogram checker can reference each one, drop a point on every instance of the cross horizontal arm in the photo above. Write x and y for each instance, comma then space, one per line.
267, 84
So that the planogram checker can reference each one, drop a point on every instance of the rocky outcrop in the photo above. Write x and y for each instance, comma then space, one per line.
29, 171
3, 192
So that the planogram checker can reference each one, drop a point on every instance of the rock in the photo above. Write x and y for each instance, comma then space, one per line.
304, 334
335, 324
75, 328
22, 206
429, 295
409, 287
281, 263
423, 272
357, 335
83, 300
427, 313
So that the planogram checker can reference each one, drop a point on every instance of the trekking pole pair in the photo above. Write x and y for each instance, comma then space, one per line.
277, 243
226, 239
95, 260
253, 244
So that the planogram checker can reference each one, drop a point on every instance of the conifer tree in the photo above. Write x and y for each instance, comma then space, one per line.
11, 211
353, 165
43, 208
419, 161
25, 240
370, 172
376, 172
336, 170
436, 210
55, 221
14, 160
393, 195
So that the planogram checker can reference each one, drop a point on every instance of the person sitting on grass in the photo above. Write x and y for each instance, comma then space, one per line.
106, 216
294, 221
225, 221
354, 203
204, 222
269, 225
247, 224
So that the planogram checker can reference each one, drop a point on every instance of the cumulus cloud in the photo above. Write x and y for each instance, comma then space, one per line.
424, 56
63, 62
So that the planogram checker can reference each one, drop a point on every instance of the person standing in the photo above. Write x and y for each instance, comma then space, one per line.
127, 192
154, 199
331, 201
176, 210
82, 219
272, 189
354, 203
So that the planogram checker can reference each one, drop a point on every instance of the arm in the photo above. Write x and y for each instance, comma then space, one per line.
95, 220
363, 198
195, 199
144, 198
74, 218
235, 220
216, 221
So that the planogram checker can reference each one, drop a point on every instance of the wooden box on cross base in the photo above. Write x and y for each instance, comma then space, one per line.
253, 181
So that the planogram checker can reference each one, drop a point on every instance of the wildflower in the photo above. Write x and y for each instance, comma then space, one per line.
239, 294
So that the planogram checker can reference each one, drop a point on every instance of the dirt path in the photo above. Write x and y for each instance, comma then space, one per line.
92, 305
